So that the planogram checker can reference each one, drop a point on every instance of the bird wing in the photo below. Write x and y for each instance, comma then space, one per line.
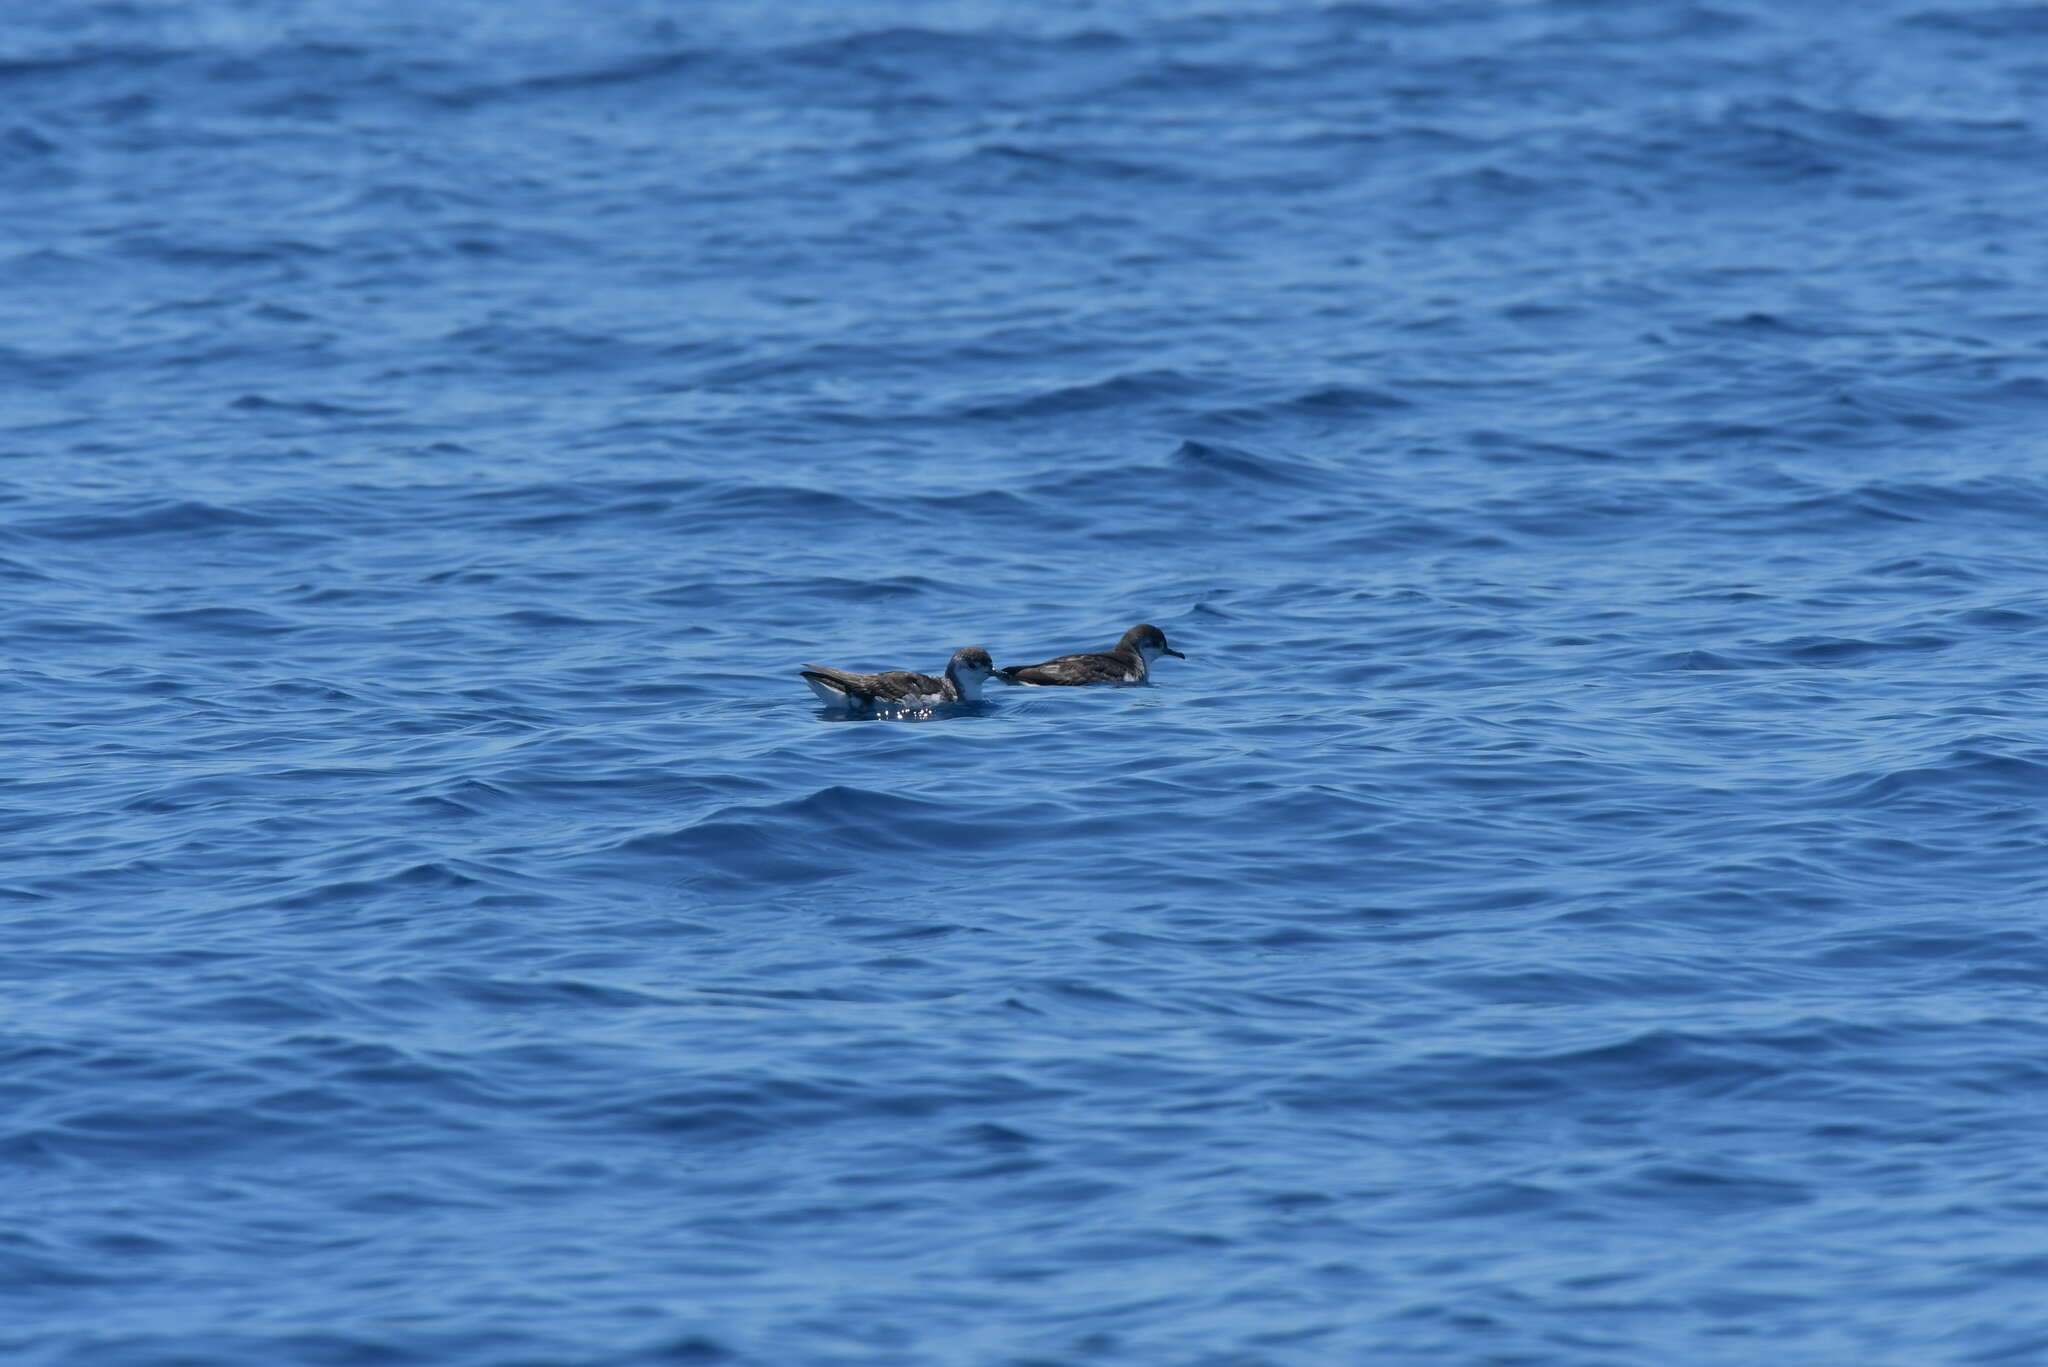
894, 685
854, 686
899, 685
1070, 671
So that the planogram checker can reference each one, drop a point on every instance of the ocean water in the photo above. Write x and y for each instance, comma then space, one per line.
1579, 902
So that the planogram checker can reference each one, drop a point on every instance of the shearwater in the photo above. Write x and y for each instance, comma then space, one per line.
965, 673
1126, 662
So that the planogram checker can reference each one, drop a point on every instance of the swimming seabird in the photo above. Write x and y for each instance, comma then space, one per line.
965, 673
1124, 663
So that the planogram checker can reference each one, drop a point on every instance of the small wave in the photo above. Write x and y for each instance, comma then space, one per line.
1725, 1188
543, 619
834, 831
1341, 399
1135, 390
1022, 163
848, 588
23, 142
800, 506
1937, 945
1364, 14
2006, 497
1964, 777
407, 881
2003, 618
1490, 186
221, 621
1931, 565
1832, 651
538, 500
83, 58
741, 853
653, 67
1706, 661
218, 255
914, 46
1987, 21
539, 994
1653, 1060
312, 408
161, 1130
531, 348
30, 1265
1758, 142
29, 159
169, 518
949, 62
1214, 464
1663, 24
1986, 500
1197, 474
998, 508
65, 630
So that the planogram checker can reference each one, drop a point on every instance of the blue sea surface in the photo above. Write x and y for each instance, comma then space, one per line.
1579, 903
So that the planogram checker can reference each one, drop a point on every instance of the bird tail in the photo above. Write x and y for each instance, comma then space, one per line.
824, 685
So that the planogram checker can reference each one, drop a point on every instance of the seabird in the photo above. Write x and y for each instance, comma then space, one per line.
1124, 663
965, 673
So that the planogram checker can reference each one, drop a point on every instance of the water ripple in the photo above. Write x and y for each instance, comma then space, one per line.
1586, 456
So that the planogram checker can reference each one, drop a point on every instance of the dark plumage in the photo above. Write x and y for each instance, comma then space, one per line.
1126, 662
965, 673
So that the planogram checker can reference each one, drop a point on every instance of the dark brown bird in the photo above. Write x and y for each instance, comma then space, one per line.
1126, 662
965, 673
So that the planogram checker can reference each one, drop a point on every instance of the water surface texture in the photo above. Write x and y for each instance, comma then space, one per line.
1578, 903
